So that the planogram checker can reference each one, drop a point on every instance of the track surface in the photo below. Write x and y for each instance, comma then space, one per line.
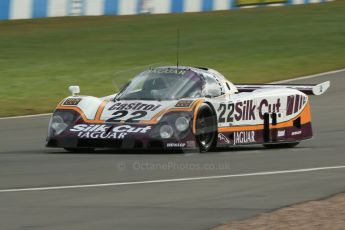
200, 204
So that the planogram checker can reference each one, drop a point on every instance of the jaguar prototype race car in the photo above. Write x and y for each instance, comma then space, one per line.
184, 108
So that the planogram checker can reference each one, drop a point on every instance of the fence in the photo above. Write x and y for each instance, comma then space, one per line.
25, 9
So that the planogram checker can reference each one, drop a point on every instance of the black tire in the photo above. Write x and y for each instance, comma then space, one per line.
282, 145
79, 150
206, 128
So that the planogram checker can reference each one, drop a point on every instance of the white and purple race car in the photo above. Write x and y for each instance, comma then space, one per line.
184, 108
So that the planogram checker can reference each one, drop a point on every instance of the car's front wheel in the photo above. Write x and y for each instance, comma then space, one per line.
206, 128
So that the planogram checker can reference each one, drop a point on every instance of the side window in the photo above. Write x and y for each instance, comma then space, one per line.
212, 87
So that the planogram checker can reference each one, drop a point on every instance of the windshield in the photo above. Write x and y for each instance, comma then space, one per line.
163, 84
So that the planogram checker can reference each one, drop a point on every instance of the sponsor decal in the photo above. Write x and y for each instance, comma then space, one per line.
270, 108
145, 6
134, 116
281, 133
106, 131
296, 133
134, 106
245, 110
295, 103
184, 103
222, 137
169, 71
176, 145
72, 101
244, 137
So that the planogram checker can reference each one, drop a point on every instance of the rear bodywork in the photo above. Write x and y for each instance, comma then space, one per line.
265, 116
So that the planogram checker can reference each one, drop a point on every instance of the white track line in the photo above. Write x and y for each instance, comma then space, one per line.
170, 180
276, 82
26, 116
310, 76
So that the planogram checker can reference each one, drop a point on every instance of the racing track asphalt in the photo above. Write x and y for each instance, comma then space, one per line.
193, 204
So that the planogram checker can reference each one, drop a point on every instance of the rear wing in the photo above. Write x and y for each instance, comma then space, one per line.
309, 89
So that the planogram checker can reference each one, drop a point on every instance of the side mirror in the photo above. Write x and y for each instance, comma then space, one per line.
74, 89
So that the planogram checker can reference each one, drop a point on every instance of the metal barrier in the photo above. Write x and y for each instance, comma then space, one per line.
26, 9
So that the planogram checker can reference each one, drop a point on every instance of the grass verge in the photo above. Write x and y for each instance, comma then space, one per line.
40, 58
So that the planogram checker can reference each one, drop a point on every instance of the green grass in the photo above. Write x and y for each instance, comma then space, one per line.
39, 59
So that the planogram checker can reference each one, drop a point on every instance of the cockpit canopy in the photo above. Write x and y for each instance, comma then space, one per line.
163, 84
171, 83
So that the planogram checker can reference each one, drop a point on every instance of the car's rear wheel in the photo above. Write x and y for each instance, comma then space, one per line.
282, 145
206, 128
79, 150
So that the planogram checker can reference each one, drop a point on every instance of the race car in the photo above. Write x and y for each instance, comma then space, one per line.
176, 107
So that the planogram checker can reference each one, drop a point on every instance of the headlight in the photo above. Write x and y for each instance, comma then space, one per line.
67, 117
182, 124
166, 131
59, 122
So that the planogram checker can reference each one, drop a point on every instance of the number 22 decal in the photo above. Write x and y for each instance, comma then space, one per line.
223, 108
122, 113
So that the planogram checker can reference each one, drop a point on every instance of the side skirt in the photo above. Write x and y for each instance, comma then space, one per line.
263, 136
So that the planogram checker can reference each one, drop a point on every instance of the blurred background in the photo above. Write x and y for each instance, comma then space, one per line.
47, 45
